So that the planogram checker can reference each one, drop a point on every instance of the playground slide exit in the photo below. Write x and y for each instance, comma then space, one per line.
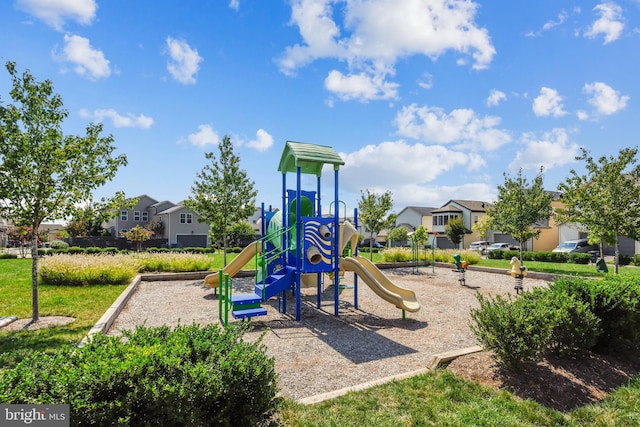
404, 299
243, 258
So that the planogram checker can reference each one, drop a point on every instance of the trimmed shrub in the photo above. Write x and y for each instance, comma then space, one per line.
185, 376
510, 329
579, 258
615, 300
524, 329
59, 244
4, 255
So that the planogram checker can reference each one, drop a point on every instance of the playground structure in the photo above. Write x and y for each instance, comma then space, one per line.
299, 247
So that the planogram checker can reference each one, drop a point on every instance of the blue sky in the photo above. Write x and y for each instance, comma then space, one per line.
430, 99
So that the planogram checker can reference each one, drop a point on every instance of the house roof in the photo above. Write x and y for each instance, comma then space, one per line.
422, 210
472, 205
309, 158
447, 208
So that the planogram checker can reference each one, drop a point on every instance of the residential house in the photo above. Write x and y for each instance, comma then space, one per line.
470, 211
178, 225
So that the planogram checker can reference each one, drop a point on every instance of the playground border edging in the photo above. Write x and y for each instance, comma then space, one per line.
437, 360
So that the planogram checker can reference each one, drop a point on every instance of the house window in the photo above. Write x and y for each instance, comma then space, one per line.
145, 216
136, 216
124, 216
186, 218
475, 219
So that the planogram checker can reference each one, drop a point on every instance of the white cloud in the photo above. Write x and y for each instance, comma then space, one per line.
462, 126
375, 34
360, 86
548, 103
184, 61
549, 150
205, 136
407, 171
129, 120
604, 98
263, 141
582, 115
426, 82
234, 4
562, 17
495, 97
610, 24
396, 163
55, 12
87, 61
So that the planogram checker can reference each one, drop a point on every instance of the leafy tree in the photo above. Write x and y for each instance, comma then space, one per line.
481, 227
222, 194
455, 230
606, 200
241, 233
137, 235
398, 234
520, 205
374, 211
44, 174
88, 217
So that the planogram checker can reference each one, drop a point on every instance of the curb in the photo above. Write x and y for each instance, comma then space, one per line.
112, 312
436, 361
4, 321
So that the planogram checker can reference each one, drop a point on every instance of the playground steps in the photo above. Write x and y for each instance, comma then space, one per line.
247, 305
276, 283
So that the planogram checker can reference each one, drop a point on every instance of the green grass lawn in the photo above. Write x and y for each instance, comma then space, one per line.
588, 270
438, 398
86, 304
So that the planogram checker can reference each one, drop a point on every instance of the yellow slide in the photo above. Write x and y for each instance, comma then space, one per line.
243, 258
404, 299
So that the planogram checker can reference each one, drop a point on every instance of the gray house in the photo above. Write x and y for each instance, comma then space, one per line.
175, 223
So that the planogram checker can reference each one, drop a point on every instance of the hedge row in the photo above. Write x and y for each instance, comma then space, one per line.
185, 376
572, 315
94, 250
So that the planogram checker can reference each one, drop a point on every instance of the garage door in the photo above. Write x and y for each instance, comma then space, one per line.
192, 241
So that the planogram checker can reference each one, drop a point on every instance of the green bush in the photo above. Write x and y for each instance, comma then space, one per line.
510, 329
75, 250
624, 259
524, 329
615, 300
579, 258
59, 244
185, 376
5, 255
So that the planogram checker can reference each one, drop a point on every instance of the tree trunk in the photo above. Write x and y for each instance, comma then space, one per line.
34, 279
616, 255
224, 250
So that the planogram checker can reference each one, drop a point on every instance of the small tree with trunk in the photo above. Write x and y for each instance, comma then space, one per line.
222, 194
137, 235
375, 213
520, 205
44, 174
455, 231
606, 200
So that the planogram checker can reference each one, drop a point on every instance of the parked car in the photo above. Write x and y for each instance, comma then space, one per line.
573, 246
481, 246
502, 247
365, 244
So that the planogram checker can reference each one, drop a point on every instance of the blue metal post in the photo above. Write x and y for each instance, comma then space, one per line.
355, 251
285, 236
336, 247
319, 275
298, 240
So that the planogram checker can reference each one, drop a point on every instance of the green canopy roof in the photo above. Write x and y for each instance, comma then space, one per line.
309, 157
